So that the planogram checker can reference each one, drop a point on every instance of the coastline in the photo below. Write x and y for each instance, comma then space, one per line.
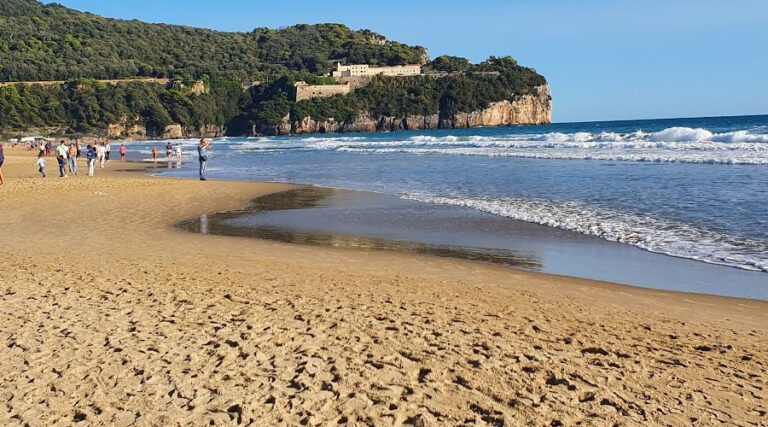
320, 216
459, 335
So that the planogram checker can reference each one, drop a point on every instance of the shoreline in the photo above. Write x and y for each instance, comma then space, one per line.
260, 189
140, 166
323, 216
119, 301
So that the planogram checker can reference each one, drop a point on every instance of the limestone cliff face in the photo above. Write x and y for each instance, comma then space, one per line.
524, 110
535, 109
138, 131
121, 130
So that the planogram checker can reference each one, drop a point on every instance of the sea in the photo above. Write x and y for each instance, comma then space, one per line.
692, 188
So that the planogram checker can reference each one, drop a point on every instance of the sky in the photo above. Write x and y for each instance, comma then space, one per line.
604, 59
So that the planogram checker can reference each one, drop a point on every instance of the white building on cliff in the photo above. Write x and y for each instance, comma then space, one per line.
364, 70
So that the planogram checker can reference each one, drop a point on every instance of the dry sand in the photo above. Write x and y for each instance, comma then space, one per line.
110, 316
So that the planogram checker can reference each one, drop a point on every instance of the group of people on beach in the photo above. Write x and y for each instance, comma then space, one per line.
67, 155
170, 151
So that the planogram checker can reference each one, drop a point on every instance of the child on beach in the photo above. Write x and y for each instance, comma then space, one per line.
41, 163
122, 152
154, 154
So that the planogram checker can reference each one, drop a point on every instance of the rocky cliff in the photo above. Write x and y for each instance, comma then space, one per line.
535, 109
173, 131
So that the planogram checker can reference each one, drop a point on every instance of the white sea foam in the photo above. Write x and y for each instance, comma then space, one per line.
675, 144
652, 234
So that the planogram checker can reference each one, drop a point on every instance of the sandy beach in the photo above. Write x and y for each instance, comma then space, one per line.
111, 316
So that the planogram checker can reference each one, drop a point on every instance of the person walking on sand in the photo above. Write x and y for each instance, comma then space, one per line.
41, 164
107, 149
61, 156
91, 158
154, 154
2, 160
48, 148
202, 155
72, 153
101, 153
122, 152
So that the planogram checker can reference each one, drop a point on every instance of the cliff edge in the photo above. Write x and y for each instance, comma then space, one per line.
534, 109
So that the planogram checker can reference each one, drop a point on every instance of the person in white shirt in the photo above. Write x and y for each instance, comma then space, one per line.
41, 163
101, 154
107, 149
178, 155
61, 155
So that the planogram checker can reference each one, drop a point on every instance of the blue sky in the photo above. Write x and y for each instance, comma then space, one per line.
604, 59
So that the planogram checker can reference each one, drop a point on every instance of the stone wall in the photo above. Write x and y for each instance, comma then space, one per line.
304, 91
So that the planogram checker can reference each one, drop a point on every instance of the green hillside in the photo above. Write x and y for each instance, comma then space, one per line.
50, 42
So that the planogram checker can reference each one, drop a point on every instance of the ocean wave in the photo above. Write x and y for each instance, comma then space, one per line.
673, 145
655, 156
652, 234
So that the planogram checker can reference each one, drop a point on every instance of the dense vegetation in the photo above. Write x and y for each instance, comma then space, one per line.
51, 42
87, 106
402, 96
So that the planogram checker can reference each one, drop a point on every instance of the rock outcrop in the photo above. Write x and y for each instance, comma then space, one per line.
121, 130
173, 131
535, 109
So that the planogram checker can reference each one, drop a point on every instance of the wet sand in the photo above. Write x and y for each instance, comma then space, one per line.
109, 315
358, 219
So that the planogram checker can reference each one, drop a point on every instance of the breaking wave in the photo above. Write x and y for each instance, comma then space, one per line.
674, 144
652, 234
